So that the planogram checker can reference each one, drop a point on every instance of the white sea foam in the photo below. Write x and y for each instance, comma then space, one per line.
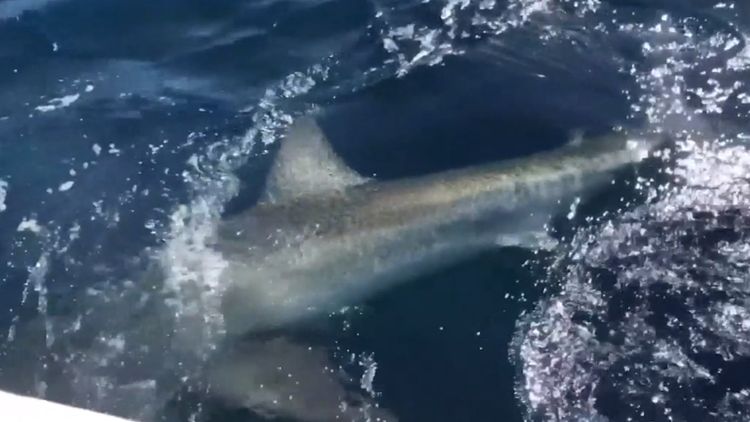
66, 186
30, 225
579, 346
58, 103
3, 194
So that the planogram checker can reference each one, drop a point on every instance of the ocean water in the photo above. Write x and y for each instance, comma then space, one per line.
128, 129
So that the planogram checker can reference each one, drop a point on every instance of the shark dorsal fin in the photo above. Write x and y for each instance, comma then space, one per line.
306, 164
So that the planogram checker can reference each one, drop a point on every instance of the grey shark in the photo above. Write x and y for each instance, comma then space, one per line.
324, 237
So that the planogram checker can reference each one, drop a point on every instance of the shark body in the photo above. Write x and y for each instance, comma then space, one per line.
324, 237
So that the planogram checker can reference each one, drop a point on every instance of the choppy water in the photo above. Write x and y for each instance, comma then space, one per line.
127, 128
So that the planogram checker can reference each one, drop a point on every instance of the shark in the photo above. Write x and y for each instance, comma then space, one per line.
323, 237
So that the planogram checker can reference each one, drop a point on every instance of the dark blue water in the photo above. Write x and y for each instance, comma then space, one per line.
127, 128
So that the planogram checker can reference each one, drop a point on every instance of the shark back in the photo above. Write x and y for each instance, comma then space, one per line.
323, 236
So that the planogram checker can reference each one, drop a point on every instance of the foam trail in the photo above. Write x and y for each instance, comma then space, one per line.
648, 321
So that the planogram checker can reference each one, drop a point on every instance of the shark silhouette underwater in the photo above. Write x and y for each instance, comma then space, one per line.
323, 237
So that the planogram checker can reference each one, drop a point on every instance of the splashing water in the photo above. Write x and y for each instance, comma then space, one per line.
412, 45
136, 337
177, 296
650, 322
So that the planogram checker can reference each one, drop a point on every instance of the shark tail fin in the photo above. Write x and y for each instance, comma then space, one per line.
278, 378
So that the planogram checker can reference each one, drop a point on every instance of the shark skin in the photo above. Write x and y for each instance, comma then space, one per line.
324, 237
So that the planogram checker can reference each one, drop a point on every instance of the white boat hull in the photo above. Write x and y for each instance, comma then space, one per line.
15, 408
